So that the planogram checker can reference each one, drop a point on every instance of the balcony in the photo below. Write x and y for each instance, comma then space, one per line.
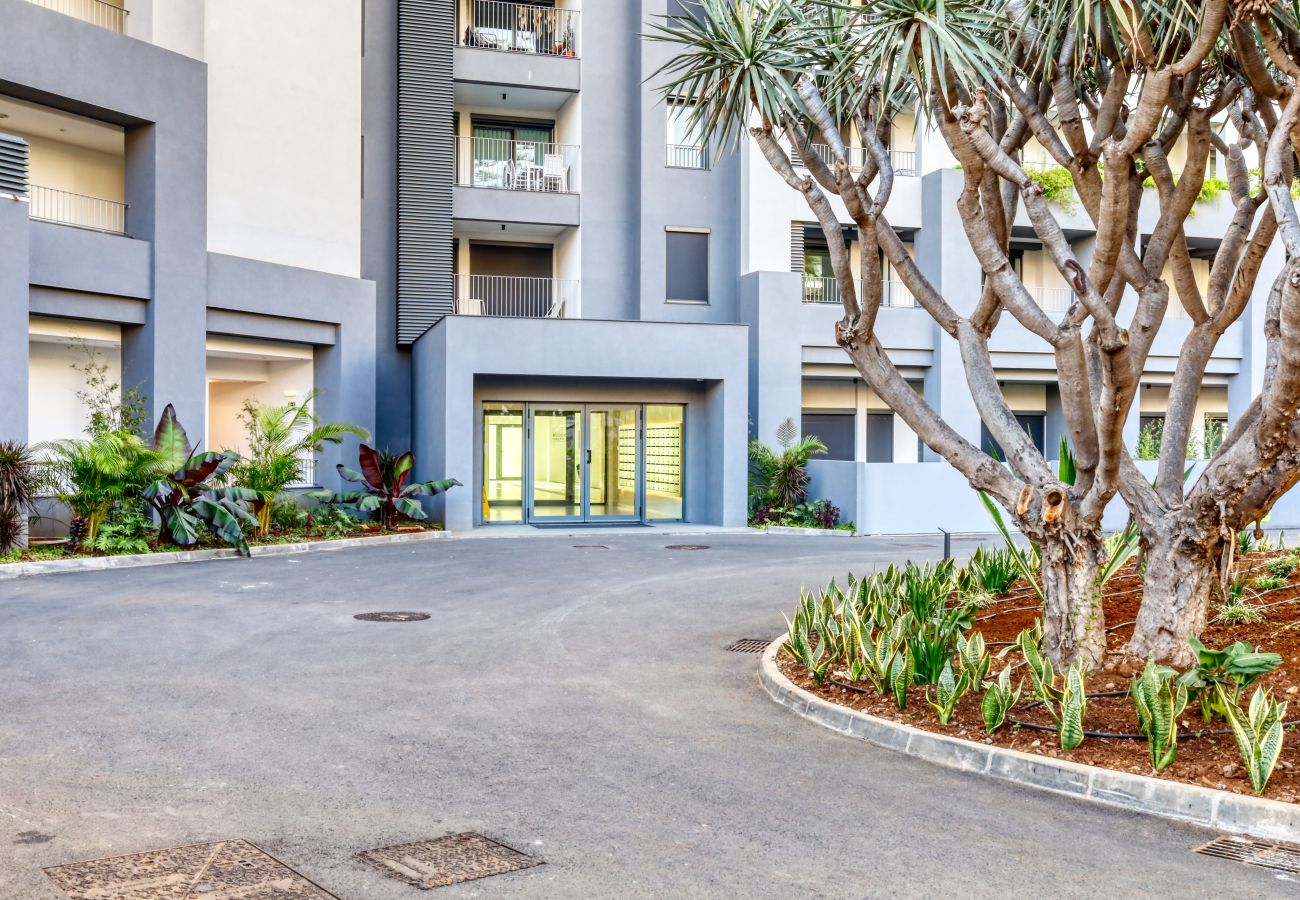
826, 290
1052, 300
513, 296
687, 156
106, 15
904, 161
521, 28
77, 210
516, 181
533, 49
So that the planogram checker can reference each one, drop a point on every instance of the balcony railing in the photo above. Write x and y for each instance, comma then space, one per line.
96, 12
1055, 300
687, 156
515, 296
516, 165
522, 28
306, 473
904, 161
79, 210
827, 290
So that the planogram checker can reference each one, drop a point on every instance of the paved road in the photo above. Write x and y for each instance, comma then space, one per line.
575, 703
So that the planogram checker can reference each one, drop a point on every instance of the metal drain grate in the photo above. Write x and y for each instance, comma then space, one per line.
224, 869
392, 617
749, 645
687, 547
1265, 854
590, 547
448, 860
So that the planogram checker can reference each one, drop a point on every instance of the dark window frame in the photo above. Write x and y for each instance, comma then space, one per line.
683, 232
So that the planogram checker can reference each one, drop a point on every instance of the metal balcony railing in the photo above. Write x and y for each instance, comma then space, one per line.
687, 156
79, 210
521, 28
516, 165
306, 473
515, 296
96, 12
904, 161
826, 290
1056, 300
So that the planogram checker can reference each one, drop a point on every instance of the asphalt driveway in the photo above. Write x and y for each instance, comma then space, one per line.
576, 704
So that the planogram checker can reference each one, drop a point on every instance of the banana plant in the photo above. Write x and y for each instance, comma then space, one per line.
183, 494
998, 700
1258, 732
386, 490
948, 690
1159, 704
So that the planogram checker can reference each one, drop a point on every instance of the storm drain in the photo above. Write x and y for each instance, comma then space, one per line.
590, 547
448, 860
392, 617
222, 870
1265, 854
687, 547
749, 645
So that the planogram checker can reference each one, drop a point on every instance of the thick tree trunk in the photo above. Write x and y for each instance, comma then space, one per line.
1181, 570
1074, 624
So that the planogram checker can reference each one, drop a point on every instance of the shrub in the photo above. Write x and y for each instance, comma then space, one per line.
18, 488
1057, 184
780, 478
1282, 567
385, 490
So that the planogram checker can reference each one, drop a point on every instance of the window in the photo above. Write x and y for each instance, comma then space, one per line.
1216, 429
687, 265
836, 431
1033, 423
880, 437
686, 149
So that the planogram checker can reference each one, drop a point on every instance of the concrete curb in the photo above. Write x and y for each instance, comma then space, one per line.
1207, 807
11, 571
809, 532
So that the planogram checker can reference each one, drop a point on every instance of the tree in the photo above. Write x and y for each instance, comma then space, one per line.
1108, 88
280, 440
780, 477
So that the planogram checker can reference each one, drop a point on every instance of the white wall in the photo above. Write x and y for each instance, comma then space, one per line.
54, 410
232, 381
67, 167
284, 122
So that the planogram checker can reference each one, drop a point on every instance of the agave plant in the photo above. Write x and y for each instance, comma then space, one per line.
18, 485
186, 496
385, 490
1159, 704
1258, 733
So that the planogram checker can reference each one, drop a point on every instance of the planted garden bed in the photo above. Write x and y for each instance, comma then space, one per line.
1264, 614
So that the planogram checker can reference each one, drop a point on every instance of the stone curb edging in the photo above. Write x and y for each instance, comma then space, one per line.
1193, 804
11, 571
809, 532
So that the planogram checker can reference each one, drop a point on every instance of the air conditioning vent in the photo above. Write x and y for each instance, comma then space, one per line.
13, 165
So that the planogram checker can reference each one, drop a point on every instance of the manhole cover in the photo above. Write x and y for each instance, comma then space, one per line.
1265, 854
687, 547
392, 617
749, 645
448, 860
222, 870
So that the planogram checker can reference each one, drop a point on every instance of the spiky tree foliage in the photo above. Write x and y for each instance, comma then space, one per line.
780, 476
1108, 88
18, 486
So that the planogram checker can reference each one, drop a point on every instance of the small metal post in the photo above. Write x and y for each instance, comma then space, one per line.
947, 543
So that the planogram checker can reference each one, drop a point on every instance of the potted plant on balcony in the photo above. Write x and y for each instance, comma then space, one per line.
567, 47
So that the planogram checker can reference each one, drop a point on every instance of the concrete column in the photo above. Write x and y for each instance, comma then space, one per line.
444, 432
770, 305
345, 374
946, 258
15, 258
728, 463
166, 190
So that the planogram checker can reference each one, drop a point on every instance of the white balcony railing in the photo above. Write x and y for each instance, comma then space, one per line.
79, 210
522, 28
826, 290
96, 12
306, 473
1054, 300
516, 165
687, 156
904, 161
515, 296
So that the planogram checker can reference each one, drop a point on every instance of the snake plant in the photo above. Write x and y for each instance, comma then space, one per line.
1159, 704
1258, 732
1074, 703
973, 657
948, 690
901, 672
998, 700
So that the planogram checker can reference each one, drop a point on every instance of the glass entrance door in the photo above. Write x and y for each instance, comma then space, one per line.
614, 463
557, 464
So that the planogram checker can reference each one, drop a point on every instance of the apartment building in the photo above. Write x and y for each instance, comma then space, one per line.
479, 231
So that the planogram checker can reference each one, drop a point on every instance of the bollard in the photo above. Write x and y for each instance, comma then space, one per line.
947, 543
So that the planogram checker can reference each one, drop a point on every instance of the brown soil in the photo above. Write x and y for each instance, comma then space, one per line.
1210, 760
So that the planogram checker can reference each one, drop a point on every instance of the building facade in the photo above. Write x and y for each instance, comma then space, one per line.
477, 229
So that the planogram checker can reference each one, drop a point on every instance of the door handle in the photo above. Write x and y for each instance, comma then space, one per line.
588, 457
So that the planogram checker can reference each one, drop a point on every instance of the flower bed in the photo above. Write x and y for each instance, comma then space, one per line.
1267, 617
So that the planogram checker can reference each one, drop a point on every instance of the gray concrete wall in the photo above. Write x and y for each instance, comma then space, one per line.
570, 360
14, 258
770, 304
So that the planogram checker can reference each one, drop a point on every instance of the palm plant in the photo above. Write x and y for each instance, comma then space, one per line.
18, 477
781, 477
280, 440
91, 475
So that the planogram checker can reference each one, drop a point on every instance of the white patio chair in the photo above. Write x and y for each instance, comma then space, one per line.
469, 306
555, 172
